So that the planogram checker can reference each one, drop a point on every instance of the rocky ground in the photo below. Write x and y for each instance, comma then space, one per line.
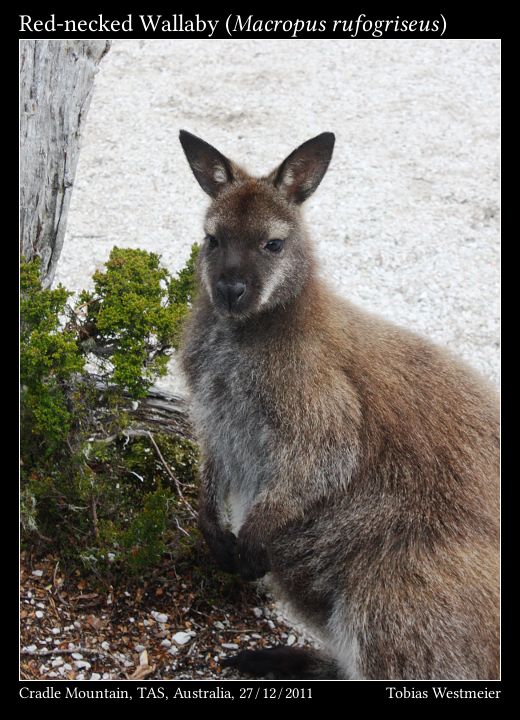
162, 628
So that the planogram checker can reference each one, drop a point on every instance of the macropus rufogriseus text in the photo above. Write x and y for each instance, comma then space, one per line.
352, 460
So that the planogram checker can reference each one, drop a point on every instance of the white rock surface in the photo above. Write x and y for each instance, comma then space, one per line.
80, 664
181, 638
159, 617
406, 220
143, 658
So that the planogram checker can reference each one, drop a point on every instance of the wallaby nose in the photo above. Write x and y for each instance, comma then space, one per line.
230, 291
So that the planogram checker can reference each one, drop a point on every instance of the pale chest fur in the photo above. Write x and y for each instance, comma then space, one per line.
226, 411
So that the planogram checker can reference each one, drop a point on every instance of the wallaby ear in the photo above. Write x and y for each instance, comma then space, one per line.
212, 170
300, 174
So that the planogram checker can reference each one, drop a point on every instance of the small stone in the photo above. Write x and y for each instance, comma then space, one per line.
291, 639
52, 674
55, 631
77, 656
173, 650
57, 662
95, 676
166, 643
181, 638
40, 605
106, 676
271, 624
257, 612
39, 614
219, 625
143, 658
105, 645
82, 664
77, 624
159, 617
37, 573
230, 646
139, 648
30, 648
43, 669
67, 667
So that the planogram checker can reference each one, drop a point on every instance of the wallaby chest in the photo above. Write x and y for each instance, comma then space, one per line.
227, 410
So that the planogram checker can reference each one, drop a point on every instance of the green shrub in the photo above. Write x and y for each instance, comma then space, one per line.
100, 497
136, 312
49, 358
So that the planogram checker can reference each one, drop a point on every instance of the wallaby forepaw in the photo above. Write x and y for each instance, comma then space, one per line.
252, 560
223, 547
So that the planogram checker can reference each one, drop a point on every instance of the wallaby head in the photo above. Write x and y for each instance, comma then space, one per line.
256, 254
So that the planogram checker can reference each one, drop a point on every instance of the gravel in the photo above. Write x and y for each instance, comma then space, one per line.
97, 640
406, 221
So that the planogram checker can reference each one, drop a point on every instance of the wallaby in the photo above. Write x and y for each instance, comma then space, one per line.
352, 461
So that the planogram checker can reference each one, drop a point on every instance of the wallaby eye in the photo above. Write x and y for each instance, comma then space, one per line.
212, 241
274, 246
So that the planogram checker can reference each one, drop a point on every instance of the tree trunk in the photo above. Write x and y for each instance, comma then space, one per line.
163, 412
56, 82
159, 410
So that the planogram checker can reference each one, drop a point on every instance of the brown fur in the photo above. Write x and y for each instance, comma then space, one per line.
364, 458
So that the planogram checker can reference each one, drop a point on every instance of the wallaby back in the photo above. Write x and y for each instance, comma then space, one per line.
353, 461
